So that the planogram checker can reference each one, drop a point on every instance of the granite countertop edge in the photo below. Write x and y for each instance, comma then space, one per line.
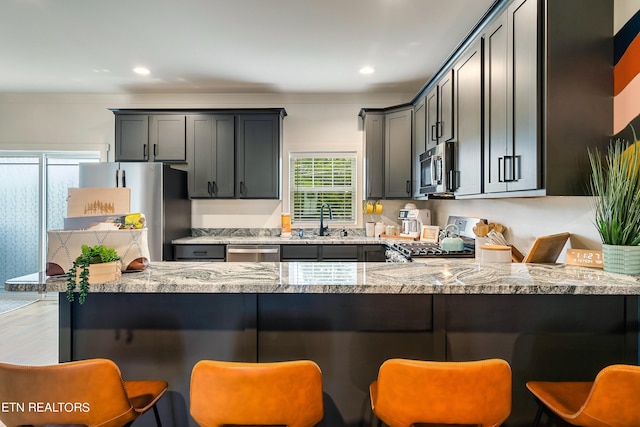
277, 240
442, 276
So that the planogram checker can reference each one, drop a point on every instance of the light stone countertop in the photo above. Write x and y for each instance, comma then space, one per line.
438, 276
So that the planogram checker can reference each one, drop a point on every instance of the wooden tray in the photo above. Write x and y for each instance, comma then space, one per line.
387, 236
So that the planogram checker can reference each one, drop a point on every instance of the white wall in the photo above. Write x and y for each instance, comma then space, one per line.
528, 218
623, 10
314, 122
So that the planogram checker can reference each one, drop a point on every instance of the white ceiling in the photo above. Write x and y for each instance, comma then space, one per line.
228, 46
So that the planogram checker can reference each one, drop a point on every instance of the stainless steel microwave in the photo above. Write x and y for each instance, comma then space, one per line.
436, 171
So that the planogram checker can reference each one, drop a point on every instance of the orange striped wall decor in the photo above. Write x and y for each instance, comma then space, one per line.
626, 78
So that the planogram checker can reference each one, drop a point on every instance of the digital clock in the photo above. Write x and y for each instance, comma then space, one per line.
584, 257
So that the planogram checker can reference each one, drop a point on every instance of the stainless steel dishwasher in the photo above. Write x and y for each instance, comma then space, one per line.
253, 253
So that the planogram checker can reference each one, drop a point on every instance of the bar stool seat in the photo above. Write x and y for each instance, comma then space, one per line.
89, 392
409, 392
238, 393
611, 400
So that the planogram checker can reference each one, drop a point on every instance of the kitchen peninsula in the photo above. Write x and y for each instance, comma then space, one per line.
549, 321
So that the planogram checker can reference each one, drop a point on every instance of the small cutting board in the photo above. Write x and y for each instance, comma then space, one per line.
546, 249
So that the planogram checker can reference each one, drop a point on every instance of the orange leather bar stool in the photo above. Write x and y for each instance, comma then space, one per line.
413, 391
89, 392
276, 393
612, 400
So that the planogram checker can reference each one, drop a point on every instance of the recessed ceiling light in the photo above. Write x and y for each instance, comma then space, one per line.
142, 71
367, 70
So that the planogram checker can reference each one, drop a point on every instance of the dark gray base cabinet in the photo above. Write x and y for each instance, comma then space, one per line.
199, 252
163, 335
317, 253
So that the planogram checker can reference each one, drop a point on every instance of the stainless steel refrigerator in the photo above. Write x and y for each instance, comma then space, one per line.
157, 190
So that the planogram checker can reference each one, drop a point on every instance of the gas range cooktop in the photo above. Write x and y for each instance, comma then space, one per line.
412, 250
422, 250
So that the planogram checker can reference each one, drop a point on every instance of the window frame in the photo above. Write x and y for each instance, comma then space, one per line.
353, 188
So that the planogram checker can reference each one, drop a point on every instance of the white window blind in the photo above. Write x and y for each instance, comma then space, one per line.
317, 178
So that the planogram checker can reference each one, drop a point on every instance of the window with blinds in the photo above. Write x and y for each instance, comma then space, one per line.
317, 178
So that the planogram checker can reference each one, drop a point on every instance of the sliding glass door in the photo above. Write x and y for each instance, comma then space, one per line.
33, 193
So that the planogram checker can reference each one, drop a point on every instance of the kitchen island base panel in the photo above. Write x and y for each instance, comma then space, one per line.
543, 337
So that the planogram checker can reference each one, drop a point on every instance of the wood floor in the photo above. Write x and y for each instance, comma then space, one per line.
29, 335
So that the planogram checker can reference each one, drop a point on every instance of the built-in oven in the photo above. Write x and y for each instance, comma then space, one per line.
436, 170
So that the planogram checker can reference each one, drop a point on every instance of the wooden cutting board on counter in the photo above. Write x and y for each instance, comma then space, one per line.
388, 236
546, 249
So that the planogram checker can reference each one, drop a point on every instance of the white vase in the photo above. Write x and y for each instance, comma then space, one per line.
621, 259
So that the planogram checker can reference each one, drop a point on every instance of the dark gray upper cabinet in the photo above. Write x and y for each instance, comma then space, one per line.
542, 109
167, 138
210, 151
467, 77
258, 156
495, 112
439, 110
374, 154
397, 162
155, 138
229, 153
234, 156
388, 136
512, 157
132, 138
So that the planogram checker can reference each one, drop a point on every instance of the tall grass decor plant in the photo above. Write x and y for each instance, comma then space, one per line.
615, 185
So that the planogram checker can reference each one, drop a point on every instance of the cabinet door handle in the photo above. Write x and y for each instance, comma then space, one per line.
509, 168
439, 129
252, 251
214, 187
507, 171
209, 188
433, 133
155, 152
144, 151
241, 187
408, 186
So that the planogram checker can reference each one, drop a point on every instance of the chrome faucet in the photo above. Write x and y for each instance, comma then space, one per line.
323, 229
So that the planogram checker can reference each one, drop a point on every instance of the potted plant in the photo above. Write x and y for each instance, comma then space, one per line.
96, 264
615, 185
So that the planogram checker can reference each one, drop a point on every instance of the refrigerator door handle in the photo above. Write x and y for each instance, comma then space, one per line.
124, 179
117, 178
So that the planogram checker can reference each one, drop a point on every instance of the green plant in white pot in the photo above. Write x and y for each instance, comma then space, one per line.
615, 185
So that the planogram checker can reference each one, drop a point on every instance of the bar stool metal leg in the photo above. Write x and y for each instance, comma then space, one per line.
157, 415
